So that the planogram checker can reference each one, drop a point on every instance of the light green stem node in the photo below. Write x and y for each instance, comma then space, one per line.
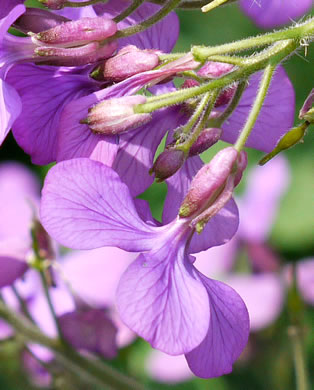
213, 4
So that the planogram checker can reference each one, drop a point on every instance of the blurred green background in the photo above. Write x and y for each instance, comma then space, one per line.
269, 364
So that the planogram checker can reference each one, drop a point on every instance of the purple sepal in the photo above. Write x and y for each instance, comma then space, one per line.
227, 334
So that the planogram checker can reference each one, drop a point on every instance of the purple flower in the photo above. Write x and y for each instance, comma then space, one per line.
273, 13
161, 296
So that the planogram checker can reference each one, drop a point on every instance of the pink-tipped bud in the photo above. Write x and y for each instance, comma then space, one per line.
225, 96
129, 61
75, 56
115, 116
241, 166
167, 164
37, 20
77, 32
53, 4
213, 70
206, 139
209, 182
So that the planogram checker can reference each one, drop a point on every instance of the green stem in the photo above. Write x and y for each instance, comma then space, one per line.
100, 374
132, 7
257, 106
77, 4
213, 4
232, 106
186, 146
22, 303
196, 114
50, 304
298, 358
295, 32
170, 5
278, 52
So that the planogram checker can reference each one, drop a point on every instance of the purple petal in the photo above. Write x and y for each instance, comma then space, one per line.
260, 203
90, 330
162, 35
93, 209
5, 330
273, 13
227, 334
45, 91
10, 108
8, 5
137, 150
11, 268
263, 295
166, 368
161, 299
275, 118
305, 278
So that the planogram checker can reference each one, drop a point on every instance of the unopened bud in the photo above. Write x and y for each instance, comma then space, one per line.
37, 20
77, 32
293, 137
209, 182
206, 139
307, 110
115, 116
225, 96
53, 4
129, 61
167, 164
213, 70
75, 56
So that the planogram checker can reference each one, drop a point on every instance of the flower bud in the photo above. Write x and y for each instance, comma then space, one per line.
189, 83
53, 4
225, 96
129, 61
167, 164
213, 70
115, 116
209, 182
37, 20
206, 139
77, 32
291, 138
75, 56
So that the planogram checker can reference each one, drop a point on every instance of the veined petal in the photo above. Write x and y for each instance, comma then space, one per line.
161, 298
45, 91
85, 205
274, 120
227, 334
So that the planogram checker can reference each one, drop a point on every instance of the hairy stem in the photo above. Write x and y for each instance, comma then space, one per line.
132, 7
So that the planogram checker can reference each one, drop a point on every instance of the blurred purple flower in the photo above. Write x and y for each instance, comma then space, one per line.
19, 198
273, 13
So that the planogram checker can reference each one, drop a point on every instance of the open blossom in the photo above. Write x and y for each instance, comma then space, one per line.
161, 296
273, 13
